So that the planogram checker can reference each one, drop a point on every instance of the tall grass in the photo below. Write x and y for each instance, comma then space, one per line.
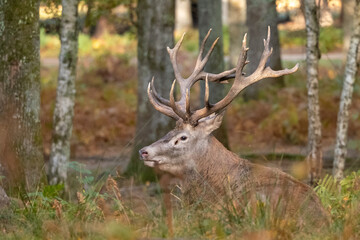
100, 209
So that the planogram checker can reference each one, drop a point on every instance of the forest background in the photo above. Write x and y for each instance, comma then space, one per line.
268, 125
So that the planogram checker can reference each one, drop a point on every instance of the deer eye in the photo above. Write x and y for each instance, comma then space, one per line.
183, 138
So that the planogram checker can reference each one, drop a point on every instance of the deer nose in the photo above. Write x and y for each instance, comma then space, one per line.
143, 153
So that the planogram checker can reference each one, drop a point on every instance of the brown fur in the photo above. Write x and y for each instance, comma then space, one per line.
210, 173
222, 175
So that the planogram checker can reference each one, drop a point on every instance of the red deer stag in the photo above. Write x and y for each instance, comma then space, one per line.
207, 170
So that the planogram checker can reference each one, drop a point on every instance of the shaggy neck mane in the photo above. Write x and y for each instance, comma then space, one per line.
214, 170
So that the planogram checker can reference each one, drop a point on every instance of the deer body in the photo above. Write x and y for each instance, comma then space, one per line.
207, 170
212, 174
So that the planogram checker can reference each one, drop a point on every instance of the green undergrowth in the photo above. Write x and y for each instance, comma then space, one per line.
330, 39
109, 207
90, 47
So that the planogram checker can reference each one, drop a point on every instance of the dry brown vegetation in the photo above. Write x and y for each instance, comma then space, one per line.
106, 108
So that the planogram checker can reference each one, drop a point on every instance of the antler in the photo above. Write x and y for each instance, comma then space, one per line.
241, 81
181, 109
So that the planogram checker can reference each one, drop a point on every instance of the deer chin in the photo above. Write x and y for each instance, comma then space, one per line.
152, 163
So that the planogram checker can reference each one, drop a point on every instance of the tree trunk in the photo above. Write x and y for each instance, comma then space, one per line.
314, 158
183, 19
155, 33
21, 156
209, 15
260, 15
346, 97
64, 106
237, 28
347, 13
326, 18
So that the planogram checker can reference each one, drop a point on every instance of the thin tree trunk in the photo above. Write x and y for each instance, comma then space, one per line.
346, 97
314, 158
209, 15
183, 19
21, 156
237, 28
326, 18
259, 15
64, 106
347, 12
155, 33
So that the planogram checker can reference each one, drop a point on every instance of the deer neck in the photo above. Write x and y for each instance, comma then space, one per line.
212, 171
217, 159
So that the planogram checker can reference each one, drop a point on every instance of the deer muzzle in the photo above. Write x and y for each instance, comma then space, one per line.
145, 156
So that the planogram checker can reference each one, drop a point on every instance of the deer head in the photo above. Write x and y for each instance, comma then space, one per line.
180, 148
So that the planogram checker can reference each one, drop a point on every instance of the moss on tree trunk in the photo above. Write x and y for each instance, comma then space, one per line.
314, 158
260, 15
64, 105
21, 156
209, 15
155, 33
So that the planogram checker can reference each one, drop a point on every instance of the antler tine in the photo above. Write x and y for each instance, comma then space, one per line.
173, 104
201, 62
187, 103
177, 110
159, 106
241, 61
207, 56
198, 61
219, 77
233, 92
266, 53
242, 82
207, 95
157, 96
173, 53
198, 73
261, 71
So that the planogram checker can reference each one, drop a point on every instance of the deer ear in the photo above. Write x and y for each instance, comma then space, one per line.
212, 122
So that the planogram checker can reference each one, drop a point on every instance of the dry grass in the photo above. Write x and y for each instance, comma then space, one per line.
136, 212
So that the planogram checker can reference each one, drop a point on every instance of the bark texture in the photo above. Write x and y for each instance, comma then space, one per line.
260, 15
346, 97
314, 158
237, 28
21, 157
64, 106
155, 33
209, 16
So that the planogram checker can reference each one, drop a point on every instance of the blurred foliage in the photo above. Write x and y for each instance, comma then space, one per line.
330, 38
117, 45
49, 44
279, 116
123, 9
118, 16
192, 40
